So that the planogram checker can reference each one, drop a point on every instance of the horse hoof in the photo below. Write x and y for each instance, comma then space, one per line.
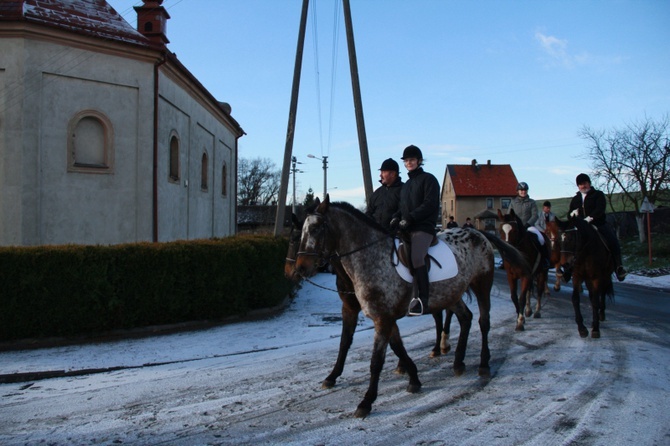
434, 354
602, 317
400, 371
446, 350
414, 388
484, 372
519, 328
583, 332
362, 411
557, 288
595, 334
529, 313
328, 384
537, 315
459, 369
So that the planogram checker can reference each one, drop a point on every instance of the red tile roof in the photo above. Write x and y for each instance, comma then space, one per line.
90, 17
474, 180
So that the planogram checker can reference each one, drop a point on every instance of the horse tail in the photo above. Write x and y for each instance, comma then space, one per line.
508, 252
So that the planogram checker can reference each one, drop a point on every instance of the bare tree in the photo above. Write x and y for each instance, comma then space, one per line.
258, 181
633, 161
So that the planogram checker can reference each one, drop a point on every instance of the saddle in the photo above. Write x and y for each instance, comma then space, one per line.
404, 250
439, 254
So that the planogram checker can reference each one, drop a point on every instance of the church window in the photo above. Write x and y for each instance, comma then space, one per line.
90, 139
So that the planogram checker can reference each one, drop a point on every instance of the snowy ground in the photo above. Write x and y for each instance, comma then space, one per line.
259, 383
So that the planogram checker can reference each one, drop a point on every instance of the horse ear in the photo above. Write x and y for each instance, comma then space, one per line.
296, 222
512, 213
500, 215
323, 207
317, 201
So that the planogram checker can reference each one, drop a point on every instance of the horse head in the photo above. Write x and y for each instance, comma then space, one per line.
510, 226
312, 250
290, 271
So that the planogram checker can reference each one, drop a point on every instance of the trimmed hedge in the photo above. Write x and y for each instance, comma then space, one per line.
61, 291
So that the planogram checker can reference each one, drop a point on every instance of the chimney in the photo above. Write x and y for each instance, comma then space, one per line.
152, 21
488, 163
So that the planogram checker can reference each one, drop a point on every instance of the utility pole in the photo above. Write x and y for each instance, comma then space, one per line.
358, 103
288, 149
325, 172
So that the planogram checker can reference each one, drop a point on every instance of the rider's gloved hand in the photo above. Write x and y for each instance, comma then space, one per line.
574, 213
394, 223
588, 219
404, 224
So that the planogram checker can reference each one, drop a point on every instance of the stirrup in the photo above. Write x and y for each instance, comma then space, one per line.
415, 307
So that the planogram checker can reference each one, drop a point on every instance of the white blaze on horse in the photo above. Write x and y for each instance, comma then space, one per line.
363, 248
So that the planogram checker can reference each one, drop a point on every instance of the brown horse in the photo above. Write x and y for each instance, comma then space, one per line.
553, 232
515, 234
351, 308
586, 257
338, 230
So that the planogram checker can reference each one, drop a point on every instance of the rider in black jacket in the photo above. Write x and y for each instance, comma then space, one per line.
419, 209
385, 200
590, 204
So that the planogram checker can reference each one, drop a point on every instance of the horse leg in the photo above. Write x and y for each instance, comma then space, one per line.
583, 332
594, 297
464, 316
523, 302
350, 311
541, 284
383, 332
439, 332
482, 289
445, 347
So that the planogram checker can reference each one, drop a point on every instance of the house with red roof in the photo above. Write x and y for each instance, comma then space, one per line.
477, 191
105, 136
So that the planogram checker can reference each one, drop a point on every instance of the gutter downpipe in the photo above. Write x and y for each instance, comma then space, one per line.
155, 150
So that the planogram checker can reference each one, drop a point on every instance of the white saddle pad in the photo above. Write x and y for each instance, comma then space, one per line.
445, 268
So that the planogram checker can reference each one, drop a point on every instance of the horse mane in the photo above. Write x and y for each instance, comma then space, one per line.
350, 209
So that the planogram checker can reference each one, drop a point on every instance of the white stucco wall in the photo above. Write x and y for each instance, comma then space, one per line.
41, 202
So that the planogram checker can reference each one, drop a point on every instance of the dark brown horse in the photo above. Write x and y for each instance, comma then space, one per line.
351, 308
514, 232
586, 257
363, 248
553, 232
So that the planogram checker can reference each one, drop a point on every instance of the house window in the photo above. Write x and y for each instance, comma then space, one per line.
224, 180
174, 159
90, 143
203, 172
489, 203
505, 202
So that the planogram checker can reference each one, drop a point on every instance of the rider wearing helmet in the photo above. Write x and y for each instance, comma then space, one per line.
419, 208
590, 204
526, 209
385, 200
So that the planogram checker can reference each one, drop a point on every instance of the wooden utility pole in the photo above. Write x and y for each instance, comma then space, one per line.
358, 103
290, 131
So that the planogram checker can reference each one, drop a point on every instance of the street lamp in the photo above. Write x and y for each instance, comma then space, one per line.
325, 172
294, 170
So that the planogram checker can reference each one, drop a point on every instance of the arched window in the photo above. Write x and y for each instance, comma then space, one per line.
90, 139
203, 174
224, 180
174, 158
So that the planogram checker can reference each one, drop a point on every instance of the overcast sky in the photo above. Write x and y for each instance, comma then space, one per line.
508, 81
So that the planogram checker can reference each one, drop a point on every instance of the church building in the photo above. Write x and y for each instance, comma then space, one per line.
105, 137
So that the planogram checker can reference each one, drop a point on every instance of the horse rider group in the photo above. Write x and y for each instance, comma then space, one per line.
413, 207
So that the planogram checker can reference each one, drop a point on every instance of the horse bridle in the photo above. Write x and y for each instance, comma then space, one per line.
323, 254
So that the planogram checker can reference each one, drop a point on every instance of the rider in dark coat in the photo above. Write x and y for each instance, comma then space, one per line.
590, 204
385, 200
419, 208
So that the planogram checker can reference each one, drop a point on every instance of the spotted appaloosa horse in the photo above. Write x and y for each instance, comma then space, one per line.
585, 254
516, 235
351, 308
338, 230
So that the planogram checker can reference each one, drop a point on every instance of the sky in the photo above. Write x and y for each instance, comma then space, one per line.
512, 82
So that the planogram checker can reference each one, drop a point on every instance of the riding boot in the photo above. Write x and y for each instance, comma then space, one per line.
619, 270
419, 305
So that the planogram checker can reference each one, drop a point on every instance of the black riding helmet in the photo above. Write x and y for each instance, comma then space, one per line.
522, 186
412, 152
